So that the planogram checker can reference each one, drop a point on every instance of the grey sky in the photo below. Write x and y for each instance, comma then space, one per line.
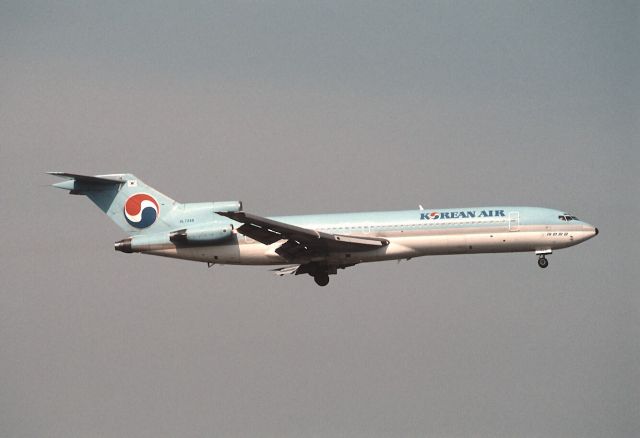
297, 107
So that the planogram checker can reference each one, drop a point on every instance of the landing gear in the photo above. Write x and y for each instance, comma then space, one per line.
320, 271
543, 262
321, 278
542, 257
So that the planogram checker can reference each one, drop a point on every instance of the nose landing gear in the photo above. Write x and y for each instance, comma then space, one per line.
542, 257
542, 261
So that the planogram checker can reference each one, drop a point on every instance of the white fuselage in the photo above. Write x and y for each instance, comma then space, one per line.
410, 235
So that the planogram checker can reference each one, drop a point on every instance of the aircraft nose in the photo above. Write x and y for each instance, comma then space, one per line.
592, 229
589, 230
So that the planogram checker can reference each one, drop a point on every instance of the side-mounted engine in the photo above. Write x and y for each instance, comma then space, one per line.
197, 236
202, 235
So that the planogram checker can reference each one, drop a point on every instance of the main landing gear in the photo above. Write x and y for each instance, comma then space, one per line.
320, 271
321, 278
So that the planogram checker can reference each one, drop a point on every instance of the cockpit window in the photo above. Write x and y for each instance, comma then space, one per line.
567, 217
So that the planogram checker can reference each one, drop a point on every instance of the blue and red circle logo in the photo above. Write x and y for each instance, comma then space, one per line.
434, 215
141, 210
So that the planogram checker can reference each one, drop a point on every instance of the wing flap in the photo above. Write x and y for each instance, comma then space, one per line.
260, 234
276, 227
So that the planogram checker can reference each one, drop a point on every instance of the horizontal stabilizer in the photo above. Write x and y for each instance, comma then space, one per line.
100, 179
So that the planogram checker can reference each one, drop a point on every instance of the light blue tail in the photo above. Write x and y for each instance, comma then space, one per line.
134, 206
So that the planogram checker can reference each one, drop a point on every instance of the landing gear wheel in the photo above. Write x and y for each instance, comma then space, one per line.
543, 262
321, 279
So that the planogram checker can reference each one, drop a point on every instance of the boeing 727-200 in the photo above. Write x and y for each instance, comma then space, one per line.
318, 245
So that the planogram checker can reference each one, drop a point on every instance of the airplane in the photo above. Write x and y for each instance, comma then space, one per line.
317, 245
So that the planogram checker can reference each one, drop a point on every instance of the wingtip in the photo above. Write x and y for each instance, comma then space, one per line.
57, 173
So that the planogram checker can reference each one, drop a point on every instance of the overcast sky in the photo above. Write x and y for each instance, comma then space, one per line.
310, 107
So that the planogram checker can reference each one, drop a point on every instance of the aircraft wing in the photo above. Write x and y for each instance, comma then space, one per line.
299, 241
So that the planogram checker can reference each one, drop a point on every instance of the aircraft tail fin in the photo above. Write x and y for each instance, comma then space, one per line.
134, 206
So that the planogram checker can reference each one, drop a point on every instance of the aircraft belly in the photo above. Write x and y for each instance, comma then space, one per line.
458, 243
245, 254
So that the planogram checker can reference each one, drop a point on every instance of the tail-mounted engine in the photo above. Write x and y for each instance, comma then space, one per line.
186, 237
201, 235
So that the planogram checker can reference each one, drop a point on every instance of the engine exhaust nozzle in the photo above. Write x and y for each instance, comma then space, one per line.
123, 245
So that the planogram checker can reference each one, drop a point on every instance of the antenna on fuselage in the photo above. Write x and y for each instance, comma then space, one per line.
420, 207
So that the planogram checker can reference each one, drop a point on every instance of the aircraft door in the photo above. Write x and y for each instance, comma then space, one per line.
514, 221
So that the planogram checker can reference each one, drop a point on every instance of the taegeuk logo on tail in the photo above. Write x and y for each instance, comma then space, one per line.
141, 210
